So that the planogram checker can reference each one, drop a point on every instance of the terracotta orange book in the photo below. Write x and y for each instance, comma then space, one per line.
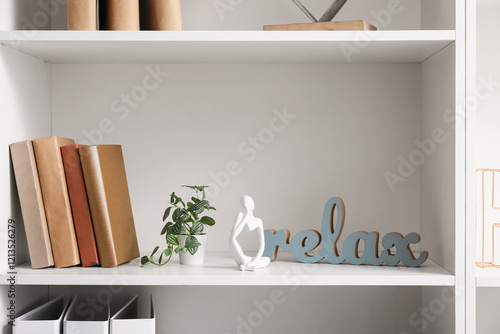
79, 205
32, 208
56, 199
108, 194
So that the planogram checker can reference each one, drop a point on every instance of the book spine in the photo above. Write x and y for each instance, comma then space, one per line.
165, 14
121, 14
98, 207
32, 208
56, 200
120, 208
79, 205
82, 14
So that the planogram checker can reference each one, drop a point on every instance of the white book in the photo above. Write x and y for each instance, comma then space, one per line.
86, 321
134, 318
46, 319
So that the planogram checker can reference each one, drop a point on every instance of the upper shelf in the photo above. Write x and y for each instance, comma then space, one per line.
412, 46
220, 269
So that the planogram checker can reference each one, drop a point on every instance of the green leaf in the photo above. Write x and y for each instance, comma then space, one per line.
161, 257
144, 260
195, 215
207, 221
212, 208
173, 240
167, 213
170, 228
192, 250
184, 230
156, 249
165, 228
190, 187
192, 242
189, 205
194, 199
199, 207
204, 195
197, 228
177, 229
176, 214
184, 218
172, 197
177, 250
168, 251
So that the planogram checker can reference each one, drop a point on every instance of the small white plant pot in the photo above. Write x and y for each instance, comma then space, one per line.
199, 256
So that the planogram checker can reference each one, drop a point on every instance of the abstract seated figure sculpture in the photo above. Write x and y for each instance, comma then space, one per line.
246, 222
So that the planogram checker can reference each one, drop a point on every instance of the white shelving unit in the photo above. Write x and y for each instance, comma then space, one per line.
359, 104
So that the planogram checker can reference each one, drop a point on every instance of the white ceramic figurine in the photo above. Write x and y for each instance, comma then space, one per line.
247, 222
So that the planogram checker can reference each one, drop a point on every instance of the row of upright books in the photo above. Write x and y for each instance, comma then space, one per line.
76, 316
124, 15
75, 203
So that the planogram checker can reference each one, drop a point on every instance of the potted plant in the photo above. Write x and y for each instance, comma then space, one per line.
184, 230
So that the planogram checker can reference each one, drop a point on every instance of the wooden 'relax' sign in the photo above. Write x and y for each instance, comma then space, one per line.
304, 242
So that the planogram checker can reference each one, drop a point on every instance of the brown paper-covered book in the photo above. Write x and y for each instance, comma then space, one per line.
109, 199
79, 205
56, 200
32, 208
119, 15
82, 14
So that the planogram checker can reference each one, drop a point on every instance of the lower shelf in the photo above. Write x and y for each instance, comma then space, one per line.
220, 269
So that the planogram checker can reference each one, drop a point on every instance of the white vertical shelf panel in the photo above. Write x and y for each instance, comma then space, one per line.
460, 167
25, 92
470, 210
229, 46
437, 179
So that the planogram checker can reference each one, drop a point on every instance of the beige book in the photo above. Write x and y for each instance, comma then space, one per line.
56, 199
119, 14
32, 208
109, 200
82, 14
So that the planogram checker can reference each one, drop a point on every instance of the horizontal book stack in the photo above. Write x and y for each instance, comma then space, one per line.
49, 318
75, 203
124, 15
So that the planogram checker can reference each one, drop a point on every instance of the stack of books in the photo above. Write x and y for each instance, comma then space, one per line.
50, 317
75, 203
124, 15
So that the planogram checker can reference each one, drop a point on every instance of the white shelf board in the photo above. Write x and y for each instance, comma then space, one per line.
220, 269
487, 277
412, 46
